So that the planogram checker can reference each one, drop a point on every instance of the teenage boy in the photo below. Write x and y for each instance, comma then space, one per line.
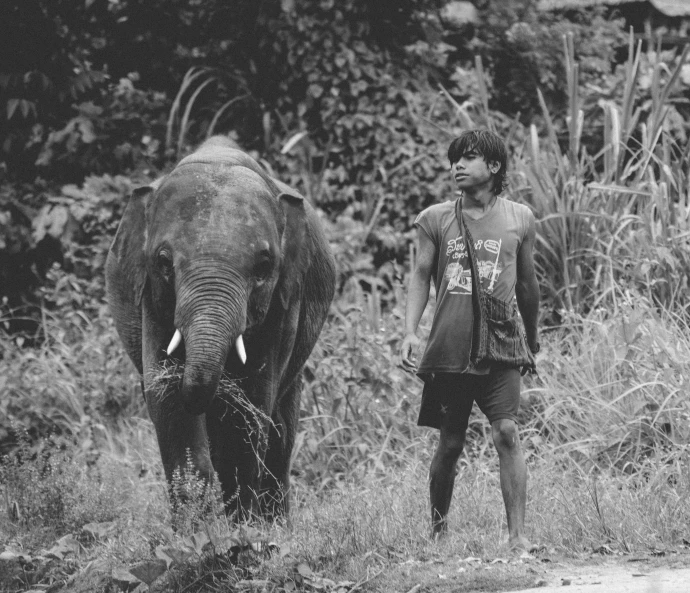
503, 237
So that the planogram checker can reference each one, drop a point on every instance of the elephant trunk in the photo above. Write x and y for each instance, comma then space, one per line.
211, 318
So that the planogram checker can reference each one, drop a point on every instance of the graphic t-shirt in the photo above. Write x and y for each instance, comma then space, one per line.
497, 238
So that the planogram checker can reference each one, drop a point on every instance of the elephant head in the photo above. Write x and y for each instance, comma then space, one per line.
212, 247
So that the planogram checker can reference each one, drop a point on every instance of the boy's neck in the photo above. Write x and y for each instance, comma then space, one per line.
478, 200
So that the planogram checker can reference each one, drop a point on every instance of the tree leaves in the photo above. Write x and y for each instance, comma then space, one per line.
22, 106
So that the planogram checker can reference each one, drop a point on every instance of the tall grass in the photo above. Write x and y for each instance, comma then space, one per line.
617, 217
180, 120
605, 428
73, 386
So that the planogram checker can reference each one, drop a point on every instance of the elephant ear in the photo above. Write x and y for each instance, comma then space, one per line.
294, 247
126, 266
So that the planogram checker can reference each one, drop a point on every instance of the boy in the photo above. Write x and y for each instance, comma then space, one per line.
503, 236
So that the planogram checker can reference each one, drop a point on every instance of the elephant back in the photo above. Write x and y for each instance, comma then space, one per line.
213, 152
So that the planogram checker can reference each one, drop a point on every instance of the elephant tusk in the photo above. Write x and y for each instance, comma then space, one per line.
175, 342
239, 346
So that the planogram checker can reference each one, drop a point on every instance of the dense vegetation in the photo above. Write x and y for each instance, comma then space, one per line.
352, 102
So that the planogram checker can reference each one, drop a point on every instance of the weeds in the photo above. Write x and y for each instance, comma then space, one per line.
607, 408
54, 490
192, 499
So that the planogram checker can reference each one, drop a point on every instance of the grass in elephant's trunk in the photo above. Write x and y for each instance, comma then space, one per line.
168, 380
191, 501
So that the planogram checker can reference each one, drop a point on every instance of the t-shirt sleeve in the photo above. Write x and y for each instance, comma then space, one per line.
525, 220
425, 221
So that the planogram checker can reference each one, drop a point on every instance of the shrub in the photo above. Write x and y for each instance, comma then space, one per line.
118, 130
72, 231
521, 49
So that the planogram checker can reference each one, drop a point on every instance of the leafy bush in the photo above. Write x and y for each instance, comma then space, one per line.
521, 48
46, 64
118, 131
73, 231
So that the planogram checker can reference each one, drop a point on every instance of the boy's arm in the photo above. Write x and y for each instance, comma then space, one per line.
417, 297
527, 287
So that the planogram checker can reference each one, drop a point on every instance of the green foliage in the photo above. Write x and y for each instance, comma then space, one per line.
521, 47
617, 218
253, 50
256, 75
610, 396
54, 489
46, 64
73, 383
606, 414
357, 405
72, 231
341, 100
118, 131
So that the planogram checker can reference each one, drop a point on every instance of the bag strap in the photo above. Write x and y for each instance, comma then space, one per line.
469, 243
478, 312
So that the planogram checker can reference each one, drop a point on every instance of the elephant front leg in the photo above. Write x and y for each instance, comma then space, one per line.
238, 446
181, 436
275, 484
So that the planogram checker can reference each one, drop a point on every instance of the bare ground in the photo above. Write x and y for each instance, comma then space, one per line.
655, 572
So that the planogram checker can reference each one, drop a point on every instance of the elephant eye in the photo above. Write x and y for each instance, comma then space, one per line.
262, 270
165, 261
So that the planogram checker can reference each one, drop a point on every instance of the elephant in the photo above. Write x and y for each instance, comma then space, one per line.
226, 271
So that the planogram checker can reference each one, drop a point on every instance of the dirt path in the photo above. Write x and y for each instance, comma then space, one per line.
658, 571
614, 579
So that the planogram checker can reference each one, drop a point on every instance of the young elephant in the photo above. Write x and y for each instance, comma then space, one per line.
221, 268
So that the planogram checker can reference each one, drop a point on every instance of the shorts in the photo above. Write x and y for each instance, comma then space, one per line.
450, 396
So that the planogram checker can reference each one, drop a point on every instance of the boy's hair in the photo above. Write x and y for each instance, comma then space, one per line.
488, 145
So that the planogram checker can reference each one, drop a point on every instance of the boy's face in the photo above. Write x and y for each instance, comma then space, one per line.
472, 171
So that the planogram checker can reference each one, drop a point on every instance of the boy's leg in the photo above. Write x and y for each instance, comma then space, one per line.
513, 479
500, 402
455, 412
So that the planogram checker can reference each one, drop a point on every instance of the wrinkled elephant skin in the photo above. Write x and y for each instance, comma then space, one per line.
222, 269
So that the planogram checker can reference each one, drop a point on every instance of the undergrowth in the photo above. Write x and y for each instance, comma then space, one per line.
604, 426
57, 490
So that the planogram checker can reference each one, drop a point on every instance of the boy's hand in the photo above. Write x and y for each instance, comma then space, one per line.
409, 346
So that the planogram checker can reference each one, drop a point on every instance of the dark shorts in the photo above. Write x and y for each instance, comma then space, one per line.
450, 396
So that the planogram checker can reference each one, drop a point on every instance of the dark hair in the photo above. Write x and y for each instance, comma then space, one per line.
488, 145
